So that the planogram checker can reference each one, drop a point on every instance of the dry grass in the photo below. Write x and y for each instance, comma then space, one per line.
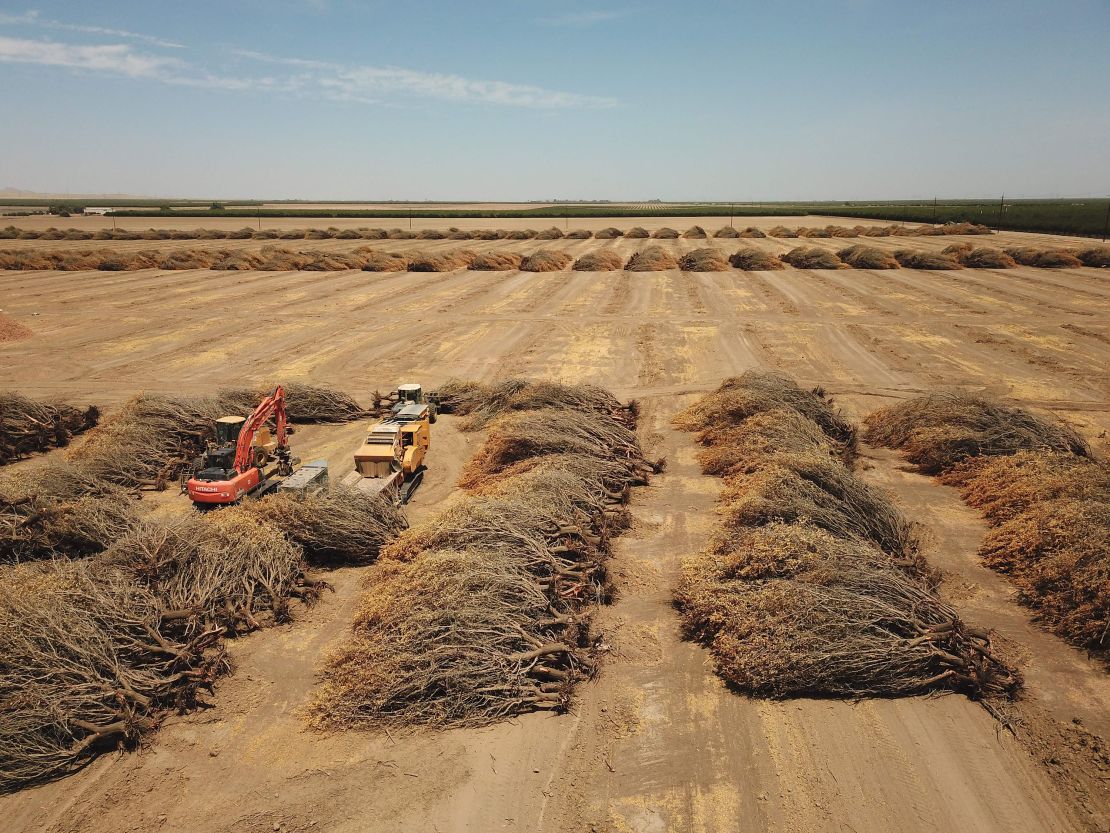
757, 391
755, 260
1097, 256
29, 425
1044, 258
841, 231
875, 231
726, 231
781, 231
483, 612
812, 232
461, 234
378, 261
430, 234
703, 260
605, 260
609, 233
666, 233
337, 525
938, 430
521, 234
812, 257
637, 232
546, 260
579, 234
926, 260
441, 261
813, 585
866, 257
496, 262
752, 233
695, 232
549, 234
980, 257
651, 259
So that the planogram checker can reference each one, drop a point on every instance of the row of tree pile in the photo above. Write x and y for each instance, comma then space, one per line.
652, 258
1043, 492
96, 651
30, 425
812, 584
484, 611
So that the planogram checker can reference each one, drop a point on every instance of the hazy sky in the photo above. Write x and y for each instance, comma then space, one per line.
825, 99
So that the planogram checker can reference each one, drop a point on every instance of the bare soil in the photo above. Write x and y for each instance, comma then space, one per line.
657, 742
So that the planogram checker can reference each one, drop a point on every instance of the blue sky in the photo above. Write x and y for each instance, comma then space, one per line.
336, 99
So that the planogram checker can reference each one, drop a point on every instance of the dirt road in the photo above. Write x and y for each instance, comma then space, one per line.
656, 743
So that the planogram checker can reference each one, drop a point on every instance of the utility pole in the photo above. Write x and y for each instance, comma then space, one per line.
410, 219
934, 211
1001, 207
731, 212
1106, 225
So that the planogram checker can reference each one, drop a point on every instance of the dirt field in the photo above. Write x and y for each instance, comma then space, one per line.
657, 743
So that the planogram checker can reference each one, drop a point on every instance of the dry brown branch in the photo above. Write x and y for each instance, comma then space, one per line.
866, 257
29, 425
926, 260
754, 260
703, 260
546, 260
812, 257
496, 262
603, 260
651, 259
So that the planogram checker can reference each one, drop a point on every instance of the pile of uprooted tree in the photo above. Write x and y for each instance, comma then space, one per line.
110, 619
812, 584
1046, 497
29, 425
484, 611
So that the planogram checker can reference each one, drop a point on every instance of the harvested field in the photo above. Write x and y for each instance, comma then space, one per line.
703, 260
651, 259
600, 261
642, 747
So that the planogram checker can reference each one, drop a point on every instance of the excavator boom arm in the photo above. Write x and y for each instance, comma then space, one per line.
273, 405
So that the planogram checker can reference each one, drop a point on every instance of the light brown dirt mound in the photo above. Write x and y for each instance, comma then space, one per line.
605, 260
812, 257
608, 233
703, 260
666, 233
579, 234
695, 232
726, 231
651, 259
754, 260
637, 232
865, 257
12, 330
781, 231
496, 262
926, 260
546, 260
1044, 258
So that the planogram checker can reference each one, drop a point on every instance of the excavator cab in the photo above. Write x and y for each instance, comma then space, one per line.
218, 462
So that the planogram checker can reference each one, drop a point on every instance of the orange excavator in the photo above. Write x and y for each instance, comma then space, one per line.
233, 465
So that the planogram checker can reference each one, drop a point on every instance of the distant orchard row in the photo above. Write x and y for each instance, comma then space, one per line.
694, 232
652, 258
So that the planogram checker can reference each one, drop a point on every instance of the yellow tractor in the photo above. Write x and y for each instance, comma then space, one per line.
391, 460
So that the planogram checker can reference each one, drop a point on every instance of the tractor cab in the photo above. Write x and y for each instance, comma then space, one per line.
218, 462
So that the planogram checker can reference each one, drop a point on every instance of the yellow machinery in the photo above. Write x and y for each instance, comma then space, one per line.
391, 460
